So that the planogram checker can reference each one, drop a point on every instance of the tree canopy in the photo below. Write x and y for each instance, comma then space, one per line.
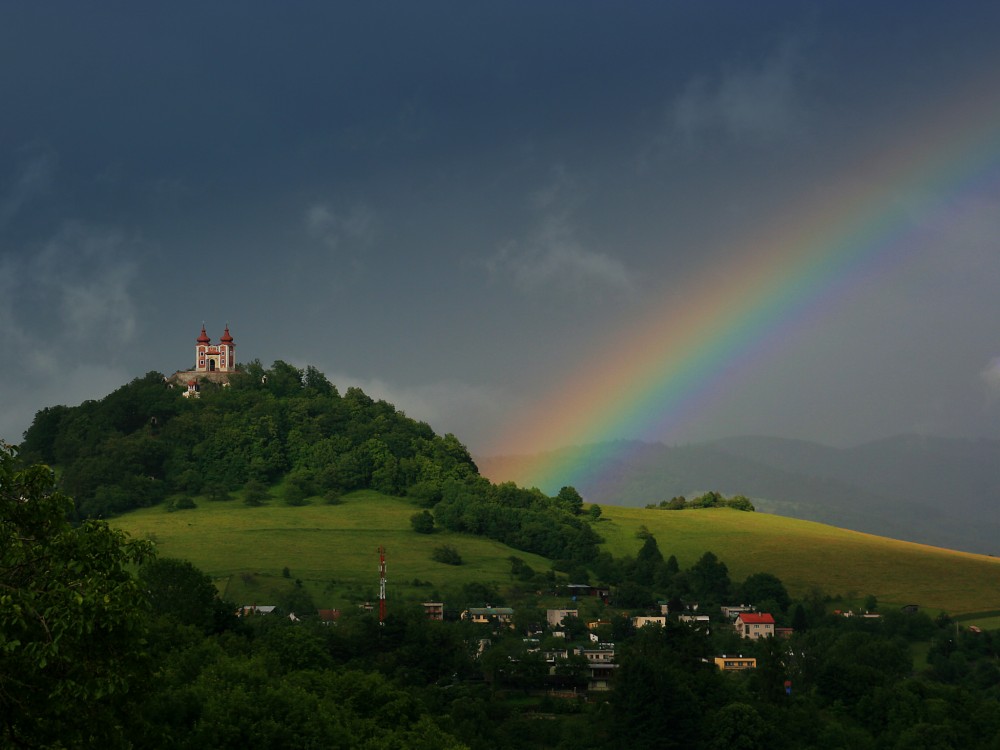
72, 616
144, 441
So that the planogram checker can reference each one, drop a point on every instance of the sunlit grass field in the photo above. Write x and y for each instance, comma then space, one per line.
331, 549
804, 554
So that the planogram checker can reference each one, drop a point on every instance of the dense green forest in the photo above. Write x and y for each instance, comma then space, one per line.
145, 443
104, 643
94, 653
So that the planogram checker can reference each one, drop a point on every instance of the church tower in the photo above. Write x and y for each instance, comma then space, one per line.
211, 357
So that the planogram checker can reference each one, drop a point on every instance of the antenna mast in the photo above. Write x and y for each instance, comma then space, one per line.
381, 585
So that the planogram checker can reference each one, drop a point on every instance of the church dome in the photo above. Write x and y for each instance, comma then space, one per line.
203, 339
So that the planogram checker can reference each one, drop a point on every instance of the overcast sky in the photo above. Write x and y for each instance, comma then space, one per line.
458, 206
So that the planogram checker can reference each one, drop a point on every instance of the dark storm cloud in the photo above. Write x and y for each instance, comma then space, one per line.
457, 206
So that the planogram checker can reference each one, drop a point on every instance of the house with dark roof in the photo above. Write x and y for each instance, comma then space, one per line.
499, 616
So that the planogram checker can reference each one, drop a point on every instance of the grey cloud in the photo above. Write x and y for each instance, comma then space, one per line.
86, 274
34, 180
758, 102
991, 375
552, 258
67, 315
358, 224
77, 288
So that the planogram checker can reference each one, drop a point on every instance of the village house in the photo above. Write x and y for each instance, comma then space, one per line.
697, 621
642, 621
249, 610
434, 610
555, 617
585, 589
731, 612
735, 663
755, 625
500, 616
328, 616
601, 665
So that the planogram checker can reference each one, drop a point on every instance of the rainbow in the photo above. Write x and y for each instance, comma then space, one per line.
672, 363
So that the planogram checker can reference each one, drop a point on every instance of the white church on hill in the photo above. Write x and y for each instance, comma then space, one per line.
219, 357
212, 362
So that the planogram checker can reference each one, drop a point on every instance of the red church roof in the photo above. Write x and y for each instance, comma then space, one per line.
203, 339
226, 337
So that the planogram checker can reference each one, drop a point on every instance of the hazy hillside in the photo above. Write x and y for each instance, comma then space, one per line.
949, 489
961, 475
144, 444
929, 490
332, 549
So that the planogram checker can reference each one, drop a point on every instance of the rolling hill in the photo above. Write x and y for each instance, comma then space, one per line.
144, 448
944, 492
331, 549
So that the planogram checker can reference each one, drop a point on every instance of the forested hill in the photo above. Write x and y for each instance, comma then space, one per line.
145, 442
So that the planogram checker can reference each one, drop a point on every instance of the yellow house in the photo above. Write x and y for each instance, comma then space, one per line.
488, 615
735, 663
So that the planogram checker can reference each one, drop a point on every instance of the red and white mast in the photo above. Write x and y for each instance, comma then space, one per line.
381, 585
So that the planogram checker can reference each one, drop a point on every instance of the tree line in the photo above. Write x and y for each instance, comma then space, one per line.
145, 442
104, 644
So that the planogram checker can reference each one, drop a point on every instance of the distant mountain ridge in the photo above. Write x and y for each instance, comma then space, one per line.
939, 491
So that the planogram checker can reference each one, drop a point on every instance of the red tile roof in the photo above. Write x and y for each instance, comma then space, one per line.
756, 618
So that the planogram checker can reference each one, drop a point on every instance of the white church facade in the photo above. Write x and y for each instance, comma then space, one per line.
219, 357
212, 362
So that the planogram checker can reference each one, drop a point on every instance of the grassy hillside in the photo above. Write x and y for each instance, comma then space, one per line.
928, 490
332, 549
804, 554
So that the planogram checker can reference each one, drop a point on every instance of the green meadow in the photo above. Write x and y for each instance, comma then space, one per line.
804, 554
331, 551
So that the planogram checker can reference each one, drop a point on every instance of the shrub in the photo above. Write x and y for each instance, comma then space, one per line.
299, 485
181, 503
446, 554
740, 502
255, 493
423, 522
217, 492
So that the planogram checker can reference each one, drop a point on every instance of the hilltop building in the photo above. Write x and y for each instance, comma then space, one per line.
212, 362
219, 357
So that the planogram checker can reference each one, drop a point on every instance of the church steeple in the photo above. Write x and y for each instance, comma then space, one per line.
212, 362
212, 358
